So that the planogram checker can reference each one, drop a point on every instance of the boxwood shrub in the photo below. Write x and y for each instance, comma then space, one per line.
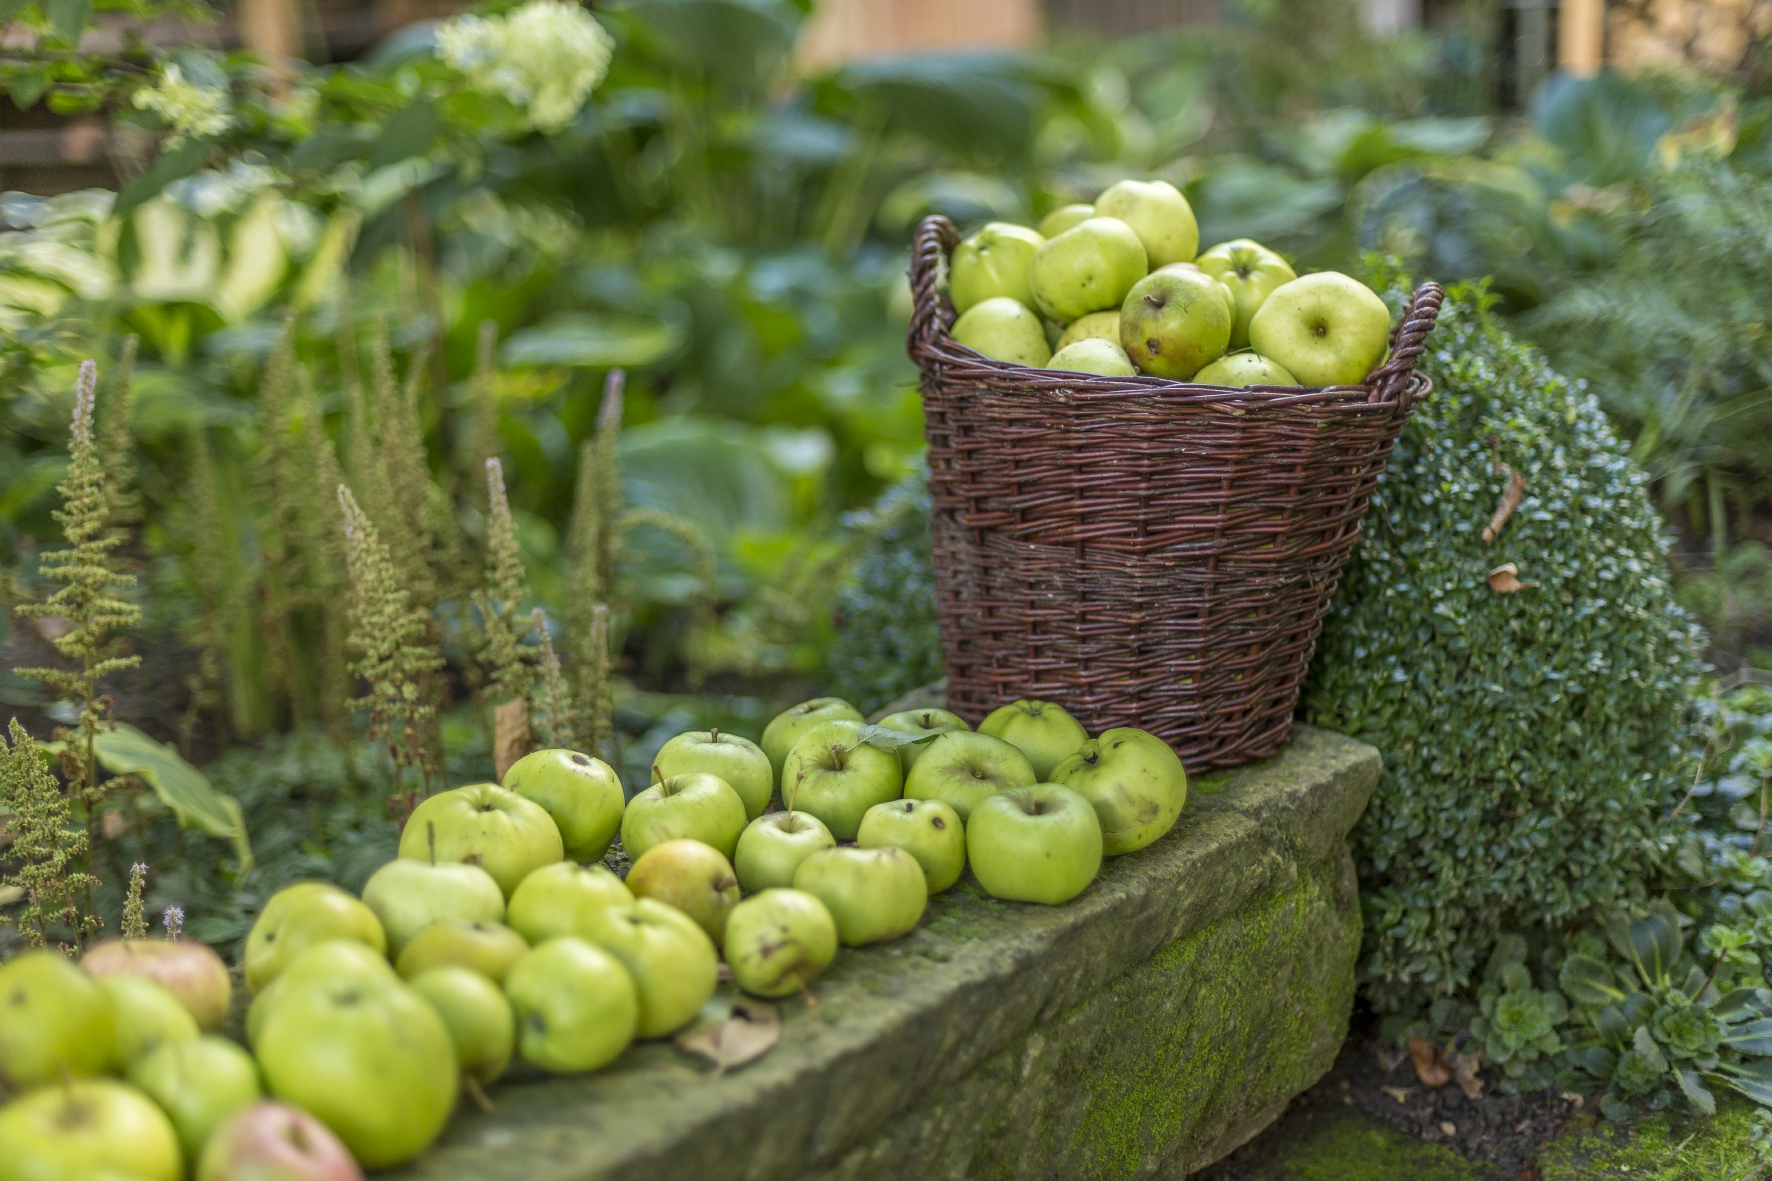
1533, 739
887, 641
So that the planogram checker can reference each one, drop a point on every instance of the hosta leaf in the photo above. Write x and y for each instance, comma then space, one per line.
589, 340
124, 750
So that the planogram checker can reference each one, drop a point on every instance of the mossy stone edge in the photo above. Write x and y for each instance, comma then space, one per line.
1144, 1029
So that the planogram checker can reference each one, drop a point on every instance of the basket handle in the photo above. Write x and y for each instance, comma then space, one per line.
936, 238
1408, 342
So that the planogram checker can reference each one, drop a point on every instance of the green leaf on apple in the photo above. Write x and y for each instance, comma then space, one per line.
889, 740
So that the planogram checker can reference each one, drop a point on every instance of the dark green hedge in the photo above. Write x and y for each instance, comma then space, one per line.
1532, 741
887, 639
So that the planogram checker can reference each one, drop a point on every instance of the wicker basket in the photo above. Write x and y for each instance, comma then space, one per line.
1143, 552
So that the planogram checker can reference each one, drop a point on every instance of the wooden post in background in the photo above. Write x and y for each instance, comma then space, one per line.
1581, 36
272, 28
855, 30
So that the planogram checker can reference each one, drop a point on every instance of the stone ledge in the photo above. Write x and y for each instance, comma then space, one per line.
1191, 989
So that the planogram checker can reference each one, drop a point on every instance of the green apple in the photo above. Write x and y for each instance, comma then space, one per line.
1034, 844
873, 894
778, 941
1004, 330
737, 760
1042, 731
504, 834
336, 960
479, 1019
1158, 214
692, 877
145, 1017
700, 807
490, 949
273, 1141
961, 769
1088, 268
187, 969
837, 777
929, 830
992, 263
1250, 272
1174, 323
1135, 783
1063, 218
299, 916
198, 1083
787, 726
88, 1130
1101, 357
368, 1057
583, 796
408, 896
576, 1006
55, 1021
921, 722
1094, 326
1240, 370
1230, 301
1326, 329
772, 846
562, 899
673, 963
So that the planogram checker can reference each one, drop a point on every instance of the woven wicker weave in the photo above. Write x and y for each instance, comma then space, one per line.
1143, 552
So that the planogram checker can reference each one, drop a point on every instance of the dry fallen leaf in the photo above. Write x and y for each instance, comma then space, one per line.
1391, 1059
1464, 1072
1430, 1068
1510, 500
1400, 1094
733, 1033
1505, 580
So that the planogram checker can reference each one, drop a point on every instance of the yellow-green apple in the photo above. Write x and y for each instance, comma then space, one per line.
1250, 272
1064, 218
873, 894
787, 726
1240, 370
837, 777
1101, 357
1230, 301
187, 969
299, 916
992, 263
145, 1017
1326, 329
923, 723
1088, 268
929, 830
1135, 783
55, 1021
483, 824
1004, 330
1042, 731
200, 1084
576, 1006
582, 794
562, 899
778, 941
88, 1130
1158, 214
365, 1055
772, 846
273, 1141
736, 759
408, 896
1094, 326
490, 949
1175, 322
692, 877
479, 1019
961, 769
673, 963
694, 805
1034, 844
338, 959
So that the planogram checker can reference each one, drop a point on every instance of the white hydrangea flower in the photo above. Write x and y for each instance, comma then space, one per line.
546, 56
192, 111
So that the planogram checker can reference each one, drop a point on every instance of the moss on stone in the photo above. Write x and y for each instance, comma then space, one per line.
1349, 1146
1664, 1147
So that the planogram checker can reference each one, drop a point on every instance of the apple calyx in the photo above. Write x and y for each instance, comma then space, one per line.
714, 734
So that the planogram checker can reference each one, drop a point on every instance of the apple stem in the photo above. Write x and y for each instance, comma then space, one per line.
714, 734
659, 775
431, 839
811, 1001
471, 1085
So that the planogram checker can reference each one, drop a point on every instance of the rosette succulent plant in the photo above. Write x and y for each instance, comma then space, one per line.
1516, 1023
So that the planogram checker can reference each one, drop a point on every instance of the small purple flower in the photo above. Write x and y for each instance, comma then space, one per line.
173, 919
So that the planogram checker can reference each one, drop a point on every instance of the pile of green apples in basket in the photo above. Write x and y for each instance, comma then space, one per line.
498, 934
1115, 289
